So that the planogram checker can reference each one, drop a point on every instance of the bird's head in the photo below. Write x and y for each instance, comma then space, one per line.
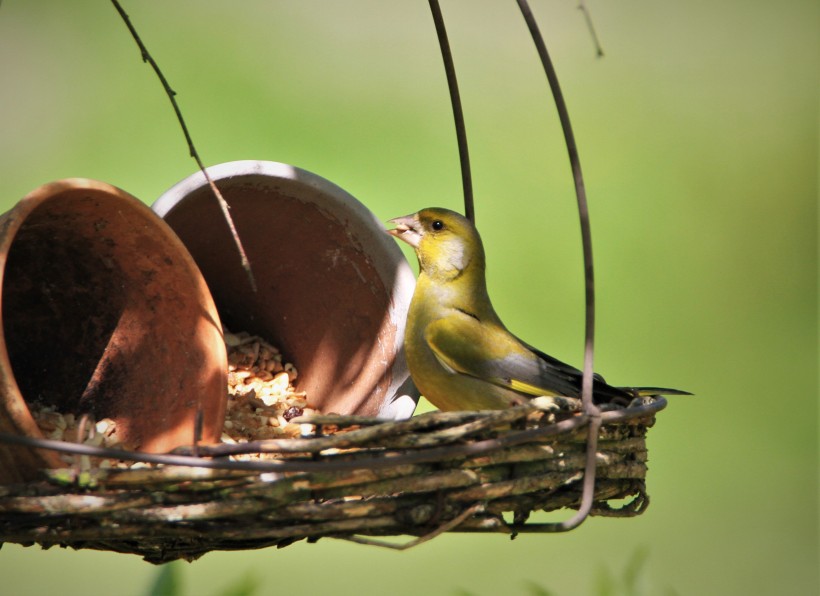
446, 243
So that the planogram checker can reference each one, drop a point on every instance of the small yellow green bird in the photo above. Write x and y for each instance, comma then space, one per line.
460, 354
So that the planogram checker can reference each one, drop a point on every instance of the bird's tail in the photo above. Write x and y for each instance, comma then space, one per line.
644, 391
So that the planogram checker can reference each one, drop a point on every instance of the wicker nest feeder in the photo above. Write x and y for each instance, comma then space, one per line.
460, 471
354, 477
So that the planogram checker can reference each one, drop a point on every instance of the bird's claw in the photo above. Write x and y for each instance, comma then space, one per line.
641, 400
556, 403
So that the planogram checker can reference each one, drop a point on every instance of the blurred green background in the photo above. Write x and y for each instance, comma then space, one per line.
698, 134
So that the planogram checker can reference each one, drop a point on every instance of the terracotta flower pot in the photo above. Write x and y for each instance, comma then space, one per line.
333, 288
103, 312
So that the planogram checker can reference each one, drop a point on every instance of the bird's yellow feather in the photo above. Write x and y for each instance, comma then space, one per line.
460, 355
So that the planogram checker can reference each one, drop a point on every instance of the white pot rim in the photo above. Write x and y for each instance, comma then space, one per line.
388, 259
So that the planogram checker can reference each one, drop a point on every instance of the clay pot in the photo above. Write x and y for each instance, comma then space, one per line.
333, 287
104, 312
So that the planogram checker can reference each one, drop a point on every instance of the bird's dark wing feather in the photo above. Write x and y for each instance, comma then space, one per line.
465, 346
601, 389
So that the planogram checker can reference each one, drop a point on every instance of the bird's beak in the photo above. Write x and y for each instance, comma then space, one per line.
407, 229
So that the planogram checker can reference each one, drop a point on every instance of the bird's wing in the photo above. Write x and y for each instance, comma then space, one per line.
467, 346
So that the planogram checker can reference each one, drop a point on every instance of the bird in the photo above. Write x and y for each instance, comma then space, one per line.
459, 353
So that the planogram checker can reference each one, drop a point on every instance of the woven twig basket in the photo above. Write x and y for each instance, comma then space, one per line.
460, 471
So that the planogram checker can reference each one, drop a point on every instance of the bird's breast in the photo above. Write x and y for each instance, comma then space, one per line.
439, 383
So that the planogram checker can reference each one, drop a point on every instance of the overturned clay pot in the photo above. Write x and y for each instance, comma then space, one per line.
333, 289
104, 313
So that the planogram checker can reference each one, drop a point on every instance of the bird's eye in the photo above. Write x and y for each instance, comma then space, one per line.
437, 225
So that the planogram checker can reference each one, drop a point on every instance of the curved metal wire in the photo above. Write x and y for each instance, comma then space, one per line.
592, 413
590, 409
458, 114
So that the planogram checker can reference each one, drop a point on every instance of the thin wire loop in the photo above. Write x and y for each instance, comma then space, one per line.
590, 409
458, 114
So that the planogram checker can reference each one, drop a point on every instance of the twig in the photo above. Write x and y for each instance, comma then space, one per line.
293, 465
458, 114
166, 513
582, 6
223, 204
590, 409
473, 449
445, 527
363, 436
588, 493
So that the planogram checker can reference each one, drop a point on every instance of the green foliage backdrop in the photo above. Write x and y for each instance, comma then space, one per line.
698, 135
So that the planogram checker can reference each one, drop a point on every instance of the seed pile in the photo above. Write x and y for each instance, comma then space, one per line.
80, 429
261, 398
262, 401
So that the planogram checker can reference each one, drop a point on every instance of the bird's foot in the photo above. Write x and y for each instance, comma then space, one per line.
641, 400
556, 403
